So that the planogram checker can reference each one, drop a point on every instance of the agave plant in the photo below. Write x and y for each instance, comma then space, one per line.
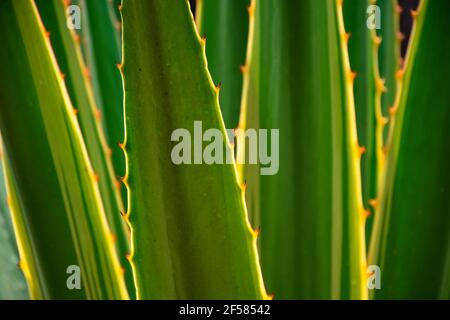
93, 92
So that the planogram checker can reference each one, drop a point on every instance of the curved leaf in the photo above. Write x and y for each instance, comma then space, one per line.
62, 213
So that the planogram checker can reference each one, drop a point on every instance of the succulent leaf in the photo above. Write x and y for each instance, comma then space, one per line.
190, 240
224, 24
12, 281
411, 239
61, 212
311, 213
78, 82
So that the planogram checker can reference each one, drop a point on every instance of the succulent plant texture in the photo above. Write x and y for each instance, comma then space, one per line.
241, 149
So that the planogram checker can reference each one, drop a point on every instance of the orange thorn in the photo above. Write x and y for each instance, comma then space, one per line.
271, 296
113, 238
367, 213
76, 37
399, 8
244, 186
393, 110
96, 177
122, 269
414, 13
75, 111
98, 114
243, 68
62, 75
399, 74
380, 85
87, 72
118, 184
373, 203
217, 88
361, 150
128, 257
257, 231
400, 36
47, 34
251, 9
347, 36
353, 75
119, 7
377, 40
121, 146
119, 66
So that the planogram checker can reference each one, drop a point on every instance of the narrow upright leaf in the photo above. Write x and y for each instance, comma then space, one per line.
224, 23
62, 215
78, 82
298, 80
190, 234
411, 237
372, 49
12, 281
103, 54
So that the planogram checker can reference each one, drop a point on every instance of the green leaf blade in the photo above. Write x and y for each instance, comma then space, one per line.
411, 235
78, 83
224, 23
63, 216
190, 241
102, 48
12, 281
310, 212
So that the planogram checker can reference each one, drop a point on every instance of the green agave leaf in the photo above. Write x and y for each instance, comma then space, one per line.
60, 218
24, 244
311, 215
362, 52
77, 81
190, 235
386, 63
375, 59
102, 48
224, 23
116, 5
411, 238
389, 51
12, 281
